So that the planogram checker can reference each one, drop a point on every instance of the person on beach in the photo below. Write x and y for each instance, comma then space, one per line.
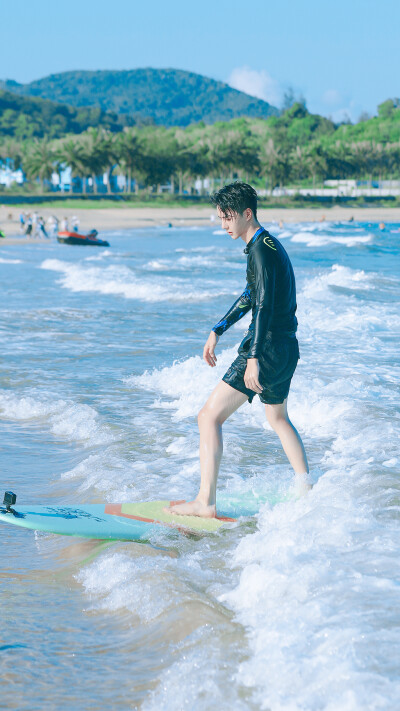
55, 225
35, 216
41, 228
267, 355
28, 230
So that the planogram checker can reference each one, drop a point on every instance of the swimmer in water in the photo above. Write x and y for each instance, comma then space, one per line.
267, 356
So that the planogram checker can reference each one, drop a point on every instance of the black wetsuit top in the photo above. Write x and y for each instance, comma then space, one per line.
270, 293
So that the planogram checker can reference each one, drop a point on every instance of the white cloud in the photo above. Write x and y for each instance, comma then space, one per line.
339, 107
352, 110
332, 97
256, 83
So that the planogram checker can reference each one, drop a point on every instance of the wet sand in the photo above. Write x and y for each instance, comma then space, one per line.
104, 219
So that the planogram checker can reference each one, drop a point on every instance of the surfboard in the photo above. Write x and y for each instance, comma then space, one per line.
131, 522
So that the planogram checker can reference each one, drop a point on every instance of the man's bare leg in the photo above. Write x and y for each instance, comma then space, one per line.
223, 401
293, 447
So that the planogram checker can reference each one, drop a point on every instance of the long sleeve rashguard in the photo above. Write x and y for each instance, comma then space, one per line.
241, 306
270, 292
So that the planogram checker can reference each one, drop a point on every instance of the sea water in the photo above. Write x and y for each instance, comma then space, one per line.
101, 380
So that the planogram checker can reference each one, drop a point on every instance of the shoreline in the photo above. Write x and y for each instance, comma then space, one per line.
133, 218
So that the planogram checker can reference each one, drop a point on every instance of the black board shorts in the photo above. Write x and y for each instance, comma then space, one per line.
277, 362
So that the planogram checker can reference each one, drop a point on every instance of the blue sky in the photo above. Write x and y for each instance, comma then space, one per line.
342, 56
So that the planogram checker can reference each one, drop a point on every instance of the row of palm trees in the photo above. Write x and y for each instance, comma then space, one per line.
153, 156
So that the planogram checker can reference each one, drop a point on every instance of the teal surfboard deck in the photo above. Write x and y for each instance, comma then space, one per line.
132, 522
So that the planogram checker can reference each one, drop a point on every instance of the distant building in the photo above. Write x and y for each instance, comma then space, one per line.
8, 176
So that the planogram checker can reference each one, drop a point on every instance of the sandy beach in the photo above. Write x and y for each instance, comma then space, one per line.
131, 217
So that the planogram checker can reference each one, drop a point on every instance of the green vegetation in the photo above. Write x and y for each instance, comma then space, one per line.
168, 97
384, 128
296, 148
26, 117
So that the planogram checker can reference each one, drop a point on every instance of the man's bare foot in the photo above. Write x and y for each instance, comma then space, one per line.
192, 508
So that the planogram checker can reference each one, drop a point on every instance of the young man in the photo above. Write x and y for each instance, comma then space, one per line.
267, 355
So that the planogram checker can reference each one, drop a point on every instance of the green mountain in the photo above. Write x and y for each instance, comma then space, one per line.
26, 117
168, 97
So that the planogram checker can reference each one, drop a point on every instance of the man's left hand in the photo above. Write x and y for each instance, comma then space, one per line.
251, 375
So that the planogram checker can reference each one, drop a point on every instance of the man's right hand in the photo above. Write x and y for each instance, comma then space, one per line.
208, 352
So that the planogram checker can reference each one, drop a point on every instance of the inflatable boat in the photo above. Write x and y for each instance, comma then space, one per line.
75, 238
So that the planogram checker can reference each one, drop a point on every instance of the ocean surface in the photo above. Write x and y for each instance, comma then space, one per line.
101, 379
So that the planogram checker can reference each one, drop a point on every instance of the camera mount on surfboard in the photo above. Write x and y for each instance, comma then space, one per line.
9, 500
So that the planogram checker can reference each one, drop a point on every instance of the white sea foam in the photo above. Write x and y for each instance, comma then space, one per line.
184, 382
66, 419
120, 582
333, 302
309, 601
181, 263
10, 261
196, 261
189, 250
207, 672
122, 281
321, 240
284, 234
158, 265
109, 472
338, 275
98, 257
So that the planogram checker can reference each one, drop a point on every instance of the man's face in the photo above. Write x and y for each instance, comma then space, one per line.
234, 224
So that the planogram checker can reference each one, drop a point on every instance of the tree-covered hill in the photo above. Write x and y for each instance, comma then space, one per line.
26, 117
383, 128
169, 97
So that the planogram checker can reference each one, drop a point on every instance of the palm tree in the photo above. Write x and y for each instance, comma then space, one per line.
185, 158
91, 149
193, 162
69, 153
159, 156
129, 156
99, 152
392, 157
220, 156
12, 149
299, 163
110, 155
40, 161
339, 161
245, 157
275, 163
316, 162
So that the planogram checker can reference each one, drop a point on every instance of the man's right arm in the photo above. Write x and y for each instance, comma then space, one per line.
241, 306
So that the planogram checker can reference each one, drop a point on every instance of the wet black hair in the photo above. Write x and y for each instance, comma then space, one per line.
235, 198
